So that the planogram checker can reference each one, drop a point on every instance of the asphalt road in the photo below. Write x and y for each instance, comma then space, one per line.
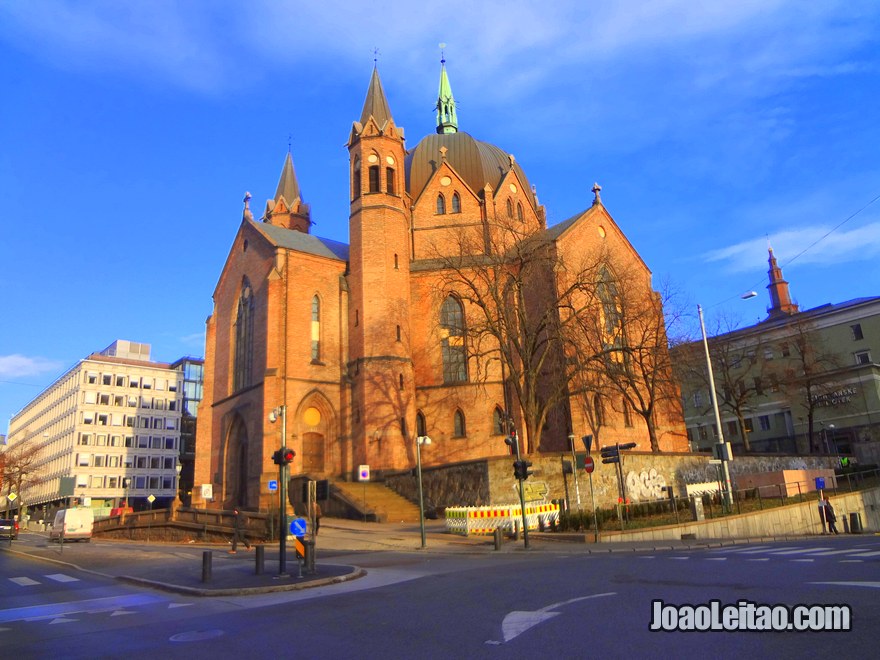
411, 605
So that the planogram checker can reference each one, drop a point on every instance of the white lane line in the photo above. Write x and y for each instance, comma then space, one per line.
804, 560
23, 581
715, 558
828, 553
678, 557
748, 548
61, 577
866, 554
758, 559
799, 551
852, 561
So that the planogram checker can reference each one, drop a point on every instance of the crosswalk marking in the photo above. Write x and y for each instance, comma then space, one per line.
23, 581
61, 577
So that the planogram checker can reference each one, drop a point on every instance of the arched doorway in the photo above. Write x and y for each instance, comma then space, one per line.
236, 469
315, 423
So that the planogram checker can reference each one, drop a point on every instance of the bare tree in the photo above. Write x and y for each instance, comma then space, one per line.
21, 470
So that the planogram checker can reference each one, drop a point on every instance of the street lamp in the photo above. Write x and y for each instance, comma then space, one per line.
179, 468
724, 449
421, 440
281, 411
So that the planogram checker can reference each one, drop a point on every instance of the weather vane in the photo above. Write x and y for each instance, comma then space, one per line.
442, 54
375, 55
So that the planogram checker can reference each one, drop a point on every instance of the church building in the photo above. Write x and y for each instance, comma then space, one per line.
360, 348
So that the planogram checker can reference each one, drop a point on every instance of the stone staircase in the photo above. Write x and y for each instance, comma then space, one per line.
376, 501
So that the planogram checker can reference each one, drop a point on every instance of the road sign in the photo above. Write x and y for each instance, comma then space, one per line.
589, 465
820, 483
207, 491
363, 473
151, 498
714, 461
12, 497
273, 485
298, 526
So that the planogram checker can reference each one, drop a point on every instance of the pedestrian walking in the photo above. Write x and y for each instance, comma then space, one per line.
239, 522
830, 517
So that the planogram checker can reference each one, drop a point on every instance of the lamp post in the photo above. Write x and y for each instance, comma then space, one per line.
577, 487
724, 453
281, 411
421, 440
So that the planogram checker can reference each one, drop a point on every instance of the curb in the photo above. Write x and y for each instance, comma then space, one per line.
241, 591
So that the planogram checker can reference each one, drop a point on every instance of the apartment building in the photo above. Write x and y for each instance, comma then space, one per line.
106, 432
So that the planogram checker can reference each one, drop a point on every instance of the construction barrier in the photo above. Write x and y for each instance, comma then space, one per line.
466, 520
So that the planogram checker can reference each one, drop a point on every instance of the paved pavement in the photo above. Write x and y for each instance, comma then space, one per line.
179, 566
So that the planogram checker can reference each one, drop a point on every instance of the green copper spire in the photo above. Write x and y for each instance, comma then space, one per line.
447, 120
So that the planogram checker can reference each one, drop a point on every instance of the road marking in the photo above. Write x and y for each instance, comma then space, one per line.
679, 558
870, 585
61, 620
120, 613
748, 548
804, 560
516, 623
758, 559
171, 606
91, 606
862, 554
798, 551
23, 581
61, 577
828, 553
710, 558
852, 561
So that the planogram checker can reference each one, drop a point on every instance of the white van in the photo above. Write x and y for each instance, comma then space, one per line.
75, 524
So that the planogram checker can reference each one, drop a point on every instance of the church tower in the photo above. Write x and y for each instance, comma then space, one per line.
780, 299
287, 208
380, 360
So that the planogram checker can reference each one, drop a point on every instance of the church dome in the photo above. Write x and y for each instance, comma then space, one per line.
478, 163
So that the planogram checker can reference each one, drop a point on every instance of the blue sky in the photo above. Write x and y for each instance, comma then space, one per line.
129, 132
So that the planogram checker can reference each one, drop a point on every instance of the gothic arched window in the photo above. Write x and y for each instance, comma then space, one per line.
421, 425
389, 181
509, 208
316, 329
452, 345
611, 312
244, 338
519, 212
441, 204
456, 203
458, 428
497, 421
356, 179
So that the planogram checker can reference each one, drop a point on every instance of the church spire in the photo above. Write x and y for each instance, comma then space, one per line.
447, 119
780, 298
288, 186
376, 105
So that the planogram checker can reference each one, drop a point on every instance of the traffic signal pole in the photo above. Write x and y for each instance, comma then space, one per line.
282, 492
519, 468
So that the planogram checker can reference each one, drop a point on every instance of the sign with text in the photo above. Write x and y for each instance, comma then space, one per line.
207, 491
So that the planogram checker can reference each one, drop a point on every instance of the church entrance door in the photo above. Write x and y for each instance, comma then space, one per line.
313, 453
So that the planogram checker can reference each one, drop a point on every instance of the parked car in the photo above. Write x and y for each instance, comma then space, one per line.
8, 528
73, 524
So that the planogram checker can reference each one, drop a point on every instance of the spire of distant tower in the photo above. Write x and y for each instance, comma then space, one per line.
376, 105
780, 298
288, 187
447, 119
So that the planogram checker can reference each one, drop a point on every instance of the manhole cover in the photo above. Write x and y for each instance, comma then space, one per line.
196, 635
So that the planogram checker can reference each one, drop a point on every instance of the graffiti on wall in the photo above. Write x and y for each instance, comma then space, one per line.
645, 485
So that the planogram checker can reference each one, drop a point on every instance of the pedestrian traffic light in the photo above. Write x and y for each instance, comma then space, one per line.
610, 454
283, 456
844, 461
510, 440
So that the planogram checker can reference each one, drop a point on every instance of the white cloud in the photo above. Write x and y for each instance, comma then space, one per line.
196, 339
815, 244
18, 366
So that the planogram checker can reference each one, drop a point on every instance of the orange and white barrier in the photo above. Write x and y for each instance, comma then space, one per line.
467, 520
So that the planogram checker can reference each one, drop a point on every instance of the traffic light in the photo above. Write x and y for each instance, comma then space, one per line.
844, 461
510, 440
521, 469
283, 456
610, 454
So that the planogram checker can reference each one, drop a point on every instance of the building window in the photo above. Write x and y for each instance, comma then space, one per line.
316, 329
764, 421
374, 178
396, 264
698, 399
703, 434
863, 357
389, 181
785, 350
452, 344
441, 205
747, 422
857, 331
732, 429
768, 353
497, 421
244, 337
421, 425
398, 333
356, 179
519, 212
627, 416
458, 430
509, 208
456, 203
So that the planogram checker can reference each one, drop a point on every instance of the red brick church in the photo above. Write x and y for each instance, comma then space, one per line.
365, 343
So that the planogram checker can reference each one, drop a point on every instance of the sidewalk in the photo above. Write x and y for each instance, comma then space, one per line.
179, 567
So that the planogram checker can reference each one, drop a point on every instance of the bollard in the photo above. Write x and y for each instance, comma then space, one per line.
498, 538
206, 565
309, 545
259, 559
516, 530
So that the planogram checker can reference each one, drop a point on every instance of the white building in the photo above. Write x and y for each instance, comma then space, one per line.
107, 430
